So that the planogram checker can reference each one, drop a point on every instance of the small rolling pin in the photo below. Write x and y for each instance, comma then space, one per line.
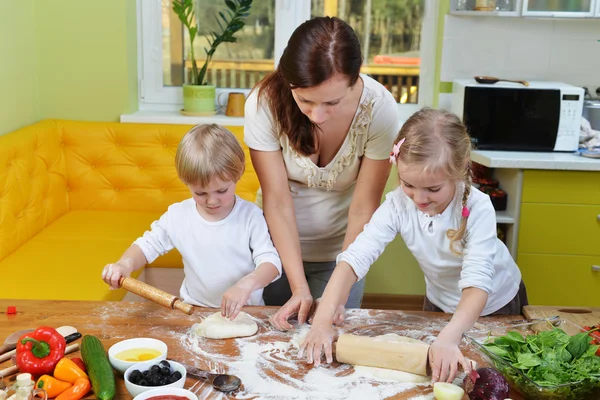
156, 295
376, 352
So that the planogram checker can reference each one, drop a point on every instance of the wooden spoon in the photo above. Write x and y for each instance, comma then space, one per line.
492, 80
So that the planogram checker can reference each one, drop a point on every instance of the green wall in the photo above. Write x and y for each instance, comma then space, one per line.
87, 51
396, 271
19, 94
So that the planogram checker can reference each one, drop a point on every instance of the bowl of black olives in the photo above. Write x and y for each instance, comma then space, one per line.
152, 374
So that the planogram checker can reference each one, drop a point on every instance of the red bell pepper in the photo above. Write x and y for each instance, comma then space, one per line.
38, 352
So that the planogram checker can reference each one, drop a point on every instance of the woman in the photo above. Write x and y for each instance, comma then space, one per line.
319, 134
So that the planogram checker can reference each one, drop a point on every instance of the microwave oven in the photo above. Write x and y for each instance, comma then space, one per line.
544, 116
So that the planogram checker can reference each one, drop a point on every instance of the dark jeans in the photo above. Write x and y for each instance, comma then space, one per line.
514, 307
317, 275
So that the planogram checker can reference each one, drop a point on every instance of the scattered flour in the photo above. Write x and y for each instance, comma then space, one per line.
269, 366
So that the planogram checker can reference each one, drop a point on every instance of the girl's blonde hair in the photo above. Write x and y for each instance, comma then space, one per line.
438, 141
209, 151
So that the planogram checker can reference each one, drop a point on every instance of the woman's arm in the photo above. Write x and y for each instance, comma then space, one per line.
278, 208
372, 177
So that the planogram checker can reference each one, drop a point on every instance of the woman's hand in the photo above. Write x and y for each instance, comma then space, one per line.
318, 341
338, 317
299, 304
112, 273
444, 357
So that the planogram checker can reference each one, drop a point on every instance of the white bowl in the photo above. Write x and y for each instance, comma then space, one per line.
134, 389
136, 343
165, 391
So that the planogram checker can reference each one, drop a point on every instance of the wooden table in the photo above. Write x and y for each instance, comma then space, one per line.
266, 362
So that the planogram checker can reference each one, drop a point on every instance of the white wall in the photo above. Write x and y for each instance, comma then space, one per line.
564, 50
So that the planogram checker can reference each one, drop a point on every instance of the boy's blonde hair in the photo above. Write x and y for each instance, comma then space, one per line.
209, 151
438, 141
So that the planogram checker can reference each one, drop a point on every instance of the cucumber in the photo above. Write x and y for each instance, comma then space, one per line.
98, 367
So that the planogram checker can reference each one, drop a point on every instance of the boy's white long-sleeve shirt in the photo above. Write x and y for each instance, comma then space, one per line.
485, 263
216, 255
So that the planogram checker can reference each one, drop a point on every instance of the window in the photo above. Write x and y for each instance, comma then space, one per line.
397, 38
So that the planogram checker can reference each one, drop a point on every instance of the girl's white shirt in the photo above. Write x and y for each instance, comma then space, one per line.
216, 255
485, 263
322, 195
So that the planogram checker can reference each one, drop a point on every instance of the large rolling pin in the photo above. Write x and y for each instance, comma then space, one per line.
408, 356
156, 295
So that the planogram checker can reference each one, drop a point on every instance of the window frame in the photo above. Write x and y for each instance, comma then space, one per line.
154, 96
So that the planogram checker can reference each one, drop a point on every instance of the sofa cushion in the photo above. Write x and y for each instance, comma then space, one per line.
82, 242
32, 183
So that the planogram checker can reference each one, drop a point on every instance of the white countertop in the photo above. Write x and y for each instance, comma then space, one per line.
535, 160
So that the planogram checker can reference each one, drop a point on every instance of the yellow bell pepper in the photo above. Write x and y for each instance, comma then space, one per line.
66, 370
51, 385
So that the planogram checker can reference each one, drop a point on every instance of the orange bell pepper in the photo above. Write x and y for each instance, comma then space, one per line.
81, 387
51, 385
66, 370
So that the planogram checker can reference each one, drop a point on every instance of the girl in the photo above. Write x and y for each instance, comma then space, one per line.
450, 228
228, 256
319, 134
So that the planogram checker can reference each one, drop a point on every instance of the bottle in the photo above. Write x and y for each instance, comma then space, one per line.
25, 388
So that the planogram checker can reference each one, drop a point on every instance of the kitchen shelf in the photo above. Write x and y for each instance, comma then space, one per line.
504, 217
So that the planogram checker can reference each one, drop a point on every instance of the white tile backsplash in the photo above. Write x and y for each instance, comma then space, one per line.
522, 48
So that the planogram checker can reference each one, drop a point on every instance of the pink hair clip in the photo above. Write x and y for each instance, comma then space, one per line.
465, 212
395, 151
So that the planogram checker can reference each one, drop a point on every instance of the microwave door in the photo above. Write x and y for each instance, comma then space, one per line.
512, 119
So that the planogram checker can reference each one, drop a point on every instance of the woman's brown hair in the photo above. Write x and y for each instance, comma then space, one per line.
317, 50
438, 141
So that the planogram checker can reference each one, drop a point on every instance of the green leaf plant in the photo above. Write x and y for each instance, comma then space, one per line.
231, 20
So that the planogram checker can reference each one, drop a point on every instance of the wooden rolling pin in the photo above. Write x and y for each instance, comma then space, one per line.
409, 356
156, 295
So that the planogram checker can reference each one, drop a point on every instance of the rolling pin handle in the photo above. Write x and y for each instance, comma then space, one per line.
183, 307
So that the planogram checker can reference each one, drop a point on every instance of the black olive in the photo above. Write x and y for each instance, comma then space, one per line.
143, 382
135, 375
165, 363
176, 375
163, 381
155, 369
165, 371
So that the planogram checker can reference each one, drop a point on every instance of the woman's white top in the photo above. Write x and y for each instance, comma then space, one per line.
322, 195
216, 255
485, 263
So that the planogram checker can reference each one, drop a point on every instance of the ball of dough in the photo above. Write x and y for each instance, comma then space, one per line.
216, 326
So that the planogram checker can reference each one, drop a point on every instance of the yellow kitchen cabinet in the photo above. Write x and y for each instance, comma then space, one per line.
565, 280
559, 237
560, 229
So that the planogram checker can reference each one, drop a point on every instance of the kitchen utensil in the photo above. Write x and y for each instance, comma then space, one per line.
582, 316
156, 295
222, 382
13, 369
69, 338
10, 343
406, 355
491, 80
591, 112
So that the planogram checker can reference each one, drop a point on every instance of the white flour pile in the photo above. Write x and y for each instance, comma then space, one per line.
267, 366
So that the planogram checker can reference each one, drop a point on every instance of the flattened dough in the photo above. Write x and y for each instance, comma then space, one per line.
391, 374
217, 327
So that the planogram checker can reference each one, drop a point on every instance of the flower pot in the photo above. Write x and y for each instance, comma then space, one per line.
199, 99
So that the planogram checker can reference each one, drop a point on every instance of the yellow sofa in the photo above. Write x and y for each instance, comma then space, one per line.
75, 195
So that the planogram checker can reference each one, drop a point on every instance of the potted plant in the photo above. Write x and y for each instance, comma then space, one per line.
198, 95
